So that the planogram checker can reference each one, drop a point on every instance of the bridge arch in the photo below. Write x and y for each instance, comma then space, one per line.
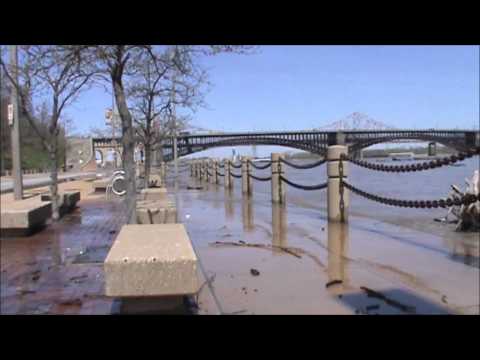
363, 144
295, 144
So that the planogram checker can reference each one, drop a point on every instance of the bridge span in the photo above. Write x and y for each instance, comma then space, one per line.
312, 141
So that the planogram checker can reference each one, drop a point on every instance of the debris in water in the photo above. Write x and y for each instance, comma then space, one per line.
112, 232
71, 302
261, 246
444, 299
372, 307
391, 302
254, 272
333, 282
189, 187
36, 275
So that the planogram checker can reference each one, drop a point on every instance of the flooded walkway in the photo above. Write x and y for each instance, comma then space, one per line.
256, 259
59, 270
369, 267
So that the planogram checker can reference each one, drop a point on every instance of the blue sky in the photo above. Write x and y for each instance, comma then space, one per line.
301, 87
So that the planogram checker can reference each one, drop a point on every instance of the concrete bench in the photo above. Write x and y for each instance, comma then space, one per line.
151, 261
153, 194
156, 211
68, 200
23, 217
100, 185
155, 180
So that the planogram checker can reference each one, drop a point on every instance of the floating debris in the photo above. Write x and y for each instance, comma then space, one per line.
333, 282
254, 272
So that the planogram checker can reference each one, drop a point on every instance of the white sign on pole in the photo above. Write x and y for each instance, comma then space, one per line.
10, 114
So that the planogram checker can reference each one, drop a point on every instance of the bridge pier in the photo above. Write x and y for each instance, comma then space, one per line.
246, 179
163, 172
278, 188
337, 203
432, 149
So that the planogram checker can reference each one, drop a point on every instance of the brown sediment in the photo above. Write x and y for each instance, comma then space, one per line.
260, 246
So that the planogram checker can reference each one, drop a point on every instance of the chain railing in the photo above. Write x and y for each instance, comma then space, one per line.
258, 178
441, 203
306, 166
235, 166
236, 176
260, 167
427, 165
303, 187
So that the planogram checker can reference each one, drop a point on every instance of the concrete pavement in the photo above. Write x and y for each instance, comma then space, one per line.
33, 181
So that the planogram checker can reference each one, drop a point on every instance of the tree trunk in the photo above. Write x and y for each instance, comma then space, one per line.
54, 182
128, 143
147, 163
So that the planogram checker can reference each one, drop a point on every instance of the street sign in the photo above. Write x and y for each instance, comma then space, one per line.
10, 114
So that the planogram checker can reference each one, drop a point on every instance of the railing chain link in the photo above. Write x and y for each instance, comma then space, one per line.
260, 167
260, 178
427, 165
442, 203
304, 187
307, 166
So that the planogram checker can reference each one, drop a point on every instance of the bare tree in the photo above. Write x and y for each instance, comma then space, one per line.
120, 63
159, 83
52, 76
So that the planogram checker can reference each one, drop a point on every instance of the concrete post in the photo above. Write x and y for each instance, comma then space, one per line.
246, 179
228, 181
338, 243
207, 177
334, 198
163, 172
278, 188
215, 169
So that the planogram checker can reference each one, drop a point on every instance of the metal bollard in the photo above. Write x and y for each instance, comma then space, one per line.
278, 188
338, 196
246, 179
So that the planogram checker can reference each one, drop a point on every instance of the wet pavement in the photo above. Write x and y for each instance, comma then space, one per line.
59, 270
368, 267
255, 258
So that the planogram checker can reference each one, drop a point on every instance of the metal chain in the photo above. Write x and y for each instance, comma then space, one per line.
442, 203
236, 166
304, 187
260, 167
427, 165
307, 166
260, 178
235, 175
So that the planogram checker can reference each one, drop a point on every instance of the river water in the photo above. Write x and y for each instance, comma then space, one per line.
413, 261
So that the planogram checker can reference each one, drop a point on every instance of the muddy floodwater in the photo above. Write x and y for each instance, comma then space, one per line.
387, 260
259, 258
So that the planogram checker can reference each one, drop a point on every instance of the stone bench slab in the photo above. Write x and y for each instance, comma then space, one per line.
153, 193
156, 211
24, 216
151, 260
100, 185
68, 200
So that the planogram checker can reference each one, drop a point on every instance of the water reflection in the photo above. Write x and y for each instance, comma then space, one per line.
279, 225
229, 208
247, 215
338, 242
464, 249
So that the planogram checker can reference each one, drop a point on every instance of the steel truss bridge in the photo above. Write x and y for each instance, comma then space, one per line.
314, 141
